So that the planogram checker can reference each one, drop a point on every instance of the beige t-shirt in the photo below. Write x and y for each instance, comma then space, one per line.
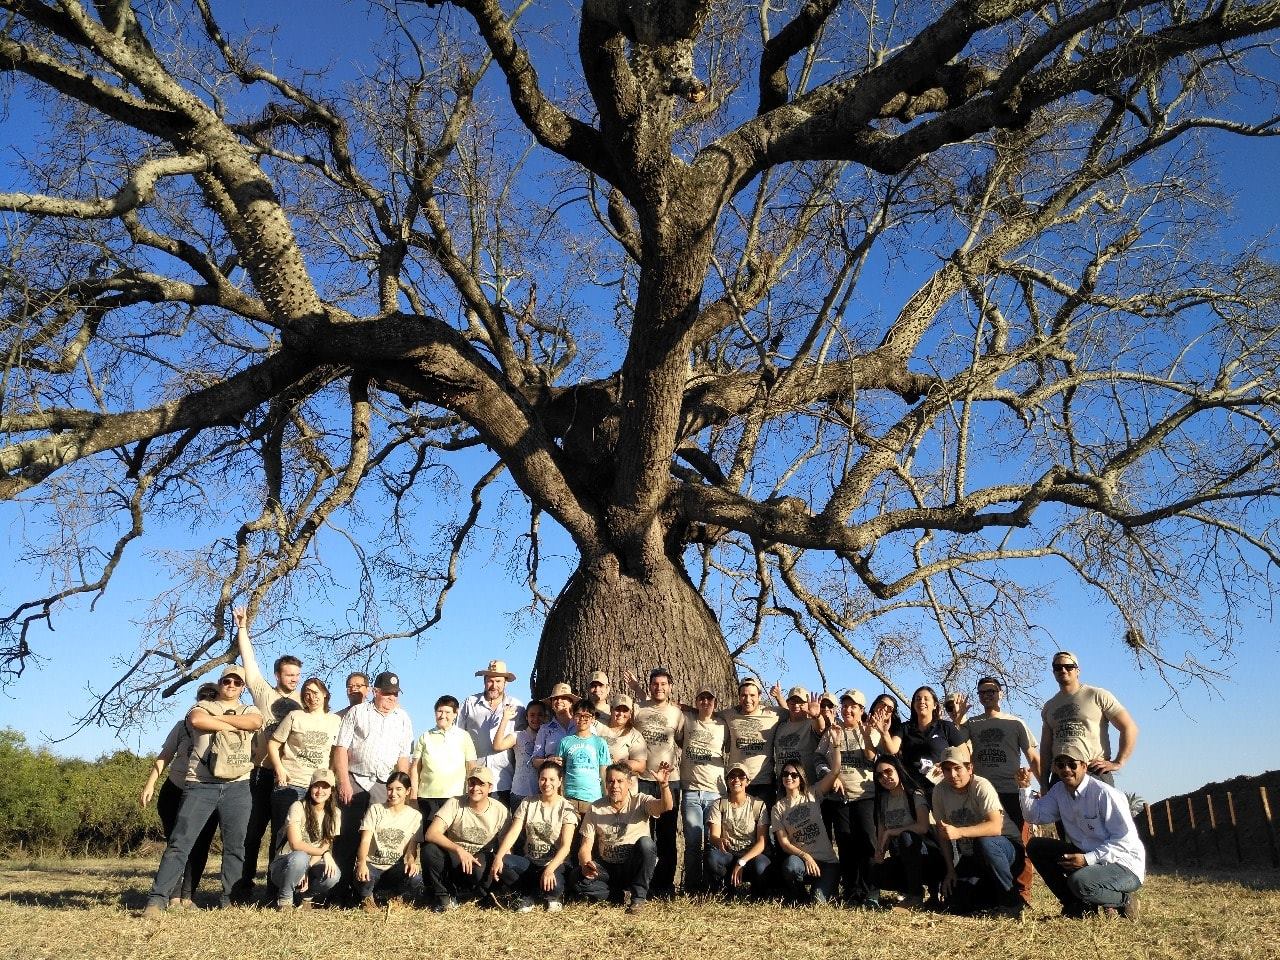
442, 758
1080, 720
897, 810
306, 740
470, 829
298, 816
618, 830
202, 741
702, 766
738, 823
802, 819
751, 741
856, 771
390, 832
662, 726
971, 806
542, 824
274, 706
795, 741
625, 746
998, 746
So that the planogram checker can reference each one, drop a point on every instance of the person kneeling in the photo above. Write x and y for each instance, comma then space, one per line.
547, 822
617, 854
989, 844
305, 864
738, 826
460, 842
811, 870
1103, 865
387, 859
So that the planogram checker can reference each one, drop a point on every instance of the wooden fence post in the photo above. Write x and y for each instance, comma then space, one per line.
1271, 827
1151, 834
1235, 833
1173, 844
1213, 831
1195, 834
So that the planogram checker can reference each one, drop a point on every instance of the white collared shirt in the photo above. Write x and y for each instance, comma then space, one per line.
1097, 819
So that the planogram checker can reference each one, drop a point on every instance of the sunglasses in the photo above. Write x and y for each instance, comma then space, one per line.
1065, 667
232, 681
790, 775
1067, 764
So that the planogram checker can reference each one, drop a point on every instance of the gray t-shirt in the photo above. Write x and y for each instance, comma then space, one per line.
971, 806
998, 746
1081, 721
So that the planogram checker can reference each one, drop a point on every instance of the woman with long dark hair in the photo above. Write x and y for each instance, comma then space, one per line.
810, 868
906, 856
387, 859
926, 737
305, 865
546, 823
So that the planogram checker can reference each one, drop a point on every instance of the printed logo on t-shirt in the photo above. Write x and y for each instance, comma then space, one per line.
315, 747
802, 827
748, 738
701, 746
654, 729
1068, 724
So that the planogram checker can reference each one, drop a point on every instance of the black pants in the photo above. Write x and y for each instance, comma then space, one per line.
347, 843
168, 800
262, 784
444, 878
853, 829
911, 862
663, 831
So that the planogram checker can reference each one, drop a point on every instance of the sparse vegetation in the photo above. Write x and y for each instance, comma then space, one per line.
89, 909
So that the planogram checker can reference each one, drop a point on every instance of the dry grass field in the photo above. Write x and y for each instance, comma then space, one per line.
71, 909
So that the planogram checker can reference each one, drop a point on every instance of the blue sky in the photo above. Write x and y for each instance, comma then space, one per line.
1203, 736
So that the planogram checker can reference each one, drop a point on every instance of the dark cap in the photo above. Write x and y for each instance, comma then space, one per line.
387, 682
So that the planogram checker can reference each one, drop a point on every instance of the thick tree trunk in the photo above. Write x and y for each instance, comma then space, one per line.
605, 620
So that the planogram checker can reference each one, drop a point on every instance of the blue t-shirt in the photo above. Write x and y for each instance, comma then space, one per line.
583, 757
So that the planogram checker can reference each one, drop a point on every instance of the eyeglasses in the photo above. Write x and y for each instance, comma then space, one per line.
737, 776
705, 696
790, 775
1066, 667
232, 681
1067, 764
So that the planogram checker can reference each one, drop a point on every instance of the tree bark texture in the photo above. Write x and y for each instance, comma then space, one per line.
606, 620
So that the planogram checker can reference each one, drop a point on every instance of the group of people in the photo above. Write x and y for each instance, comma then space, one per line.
813, 797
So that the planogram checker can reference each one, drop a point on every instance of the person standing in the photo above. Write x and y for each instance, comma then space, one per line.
301, 744
981, 847
176, 754
999, 740
926, 737
274, 701
524, 777
1102, 863
440, 761
212, 786
357, 691
1079, 717
751, 728
584, 756
799, 733
702, 778
849, 809
598, 693
374, 742
482, 714
661, 722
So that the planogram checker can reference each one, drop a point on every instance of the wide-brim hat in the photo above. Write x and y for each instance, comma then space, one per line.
560, 691
496, 668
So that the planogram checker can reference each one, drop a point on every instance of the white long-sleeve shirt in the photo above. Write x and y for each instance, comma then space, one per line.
1097, 819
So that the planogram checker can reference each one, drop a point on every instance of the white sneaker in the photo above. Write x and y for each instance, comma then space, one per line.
525, 905
554, 905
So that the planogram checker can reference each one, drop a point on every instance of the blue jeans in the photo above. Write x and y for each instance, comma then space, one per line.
232, 802
282, 798
1097, 885
392, 880
796, 880
720, 871
286, 872
612, 880
694, 807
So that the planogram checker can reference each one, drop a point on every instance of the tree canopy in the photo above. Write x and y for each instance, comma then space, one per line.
841, 311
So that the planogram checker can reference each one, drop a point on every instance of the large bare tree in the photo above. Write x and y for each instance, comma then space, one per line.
863, 312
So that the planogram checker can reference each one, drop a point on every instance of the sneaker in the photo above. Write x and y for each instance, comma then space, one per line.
285, 905
524, 905
307, 904
152, 911
554, 906
637, 906
446, 904
1129, 909
370, 905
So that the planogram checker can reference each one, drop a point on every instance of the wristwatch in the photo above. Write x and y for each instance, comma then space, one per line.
741, 862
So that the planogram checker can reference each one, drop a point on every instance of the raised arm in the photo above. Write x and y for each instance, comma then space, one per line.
259, 689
